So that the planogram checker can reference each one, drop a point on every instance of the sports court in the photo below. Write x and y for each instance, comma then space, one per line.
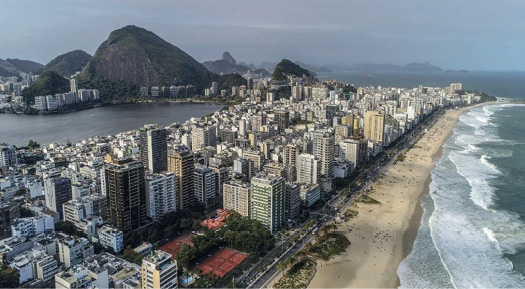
221, 262
173, 246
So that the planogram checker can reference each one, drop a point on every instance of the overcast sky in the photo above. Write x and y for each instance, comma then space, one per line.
459, 34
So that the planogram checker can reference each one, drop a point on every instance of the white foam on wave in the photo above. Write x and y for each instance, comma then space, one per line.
472, 148
464, 233
487, 110
490, 235
484, 159
481, 193
467, 235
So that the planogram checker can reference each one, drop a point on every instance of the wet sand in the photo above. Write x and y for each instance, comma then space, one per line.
382, 235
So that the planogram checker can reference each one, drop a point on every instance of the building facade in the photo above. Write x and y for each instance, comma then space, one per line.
374, 126
154, 148
126, 195
181, 164
57, 191
204, 185
324, 151
268, 201
161, 194
159, 271
236, 197
308, 169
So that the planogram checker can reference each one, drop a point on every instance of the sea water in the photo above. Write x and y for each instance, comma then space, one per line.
472, 232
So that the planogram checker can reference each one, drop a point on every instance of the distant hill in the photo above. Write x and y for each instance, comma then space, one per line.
269, 66
7, 69
228, 65
285, 68
137, 56
250, 66
421, 67
226, 56
26, 66
456, 71
372, 67
49, 83
69, 63
323, 69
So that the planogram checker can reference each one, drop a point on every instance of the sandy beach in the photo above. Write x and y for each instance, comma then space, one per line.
382, 234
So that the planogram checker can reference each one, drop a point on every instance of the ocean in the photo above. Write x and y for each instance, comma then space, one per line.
472, 231
508, 84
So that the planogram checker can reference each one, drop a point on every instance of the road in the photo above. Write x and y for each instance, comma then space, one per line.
339, 202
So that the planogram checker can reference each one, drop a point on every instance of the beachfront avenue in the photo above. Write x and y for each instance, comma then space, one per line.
222, 200
340, 203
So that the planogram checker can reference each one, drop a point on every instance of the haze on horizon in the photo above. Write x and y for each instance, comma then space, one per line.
469, 34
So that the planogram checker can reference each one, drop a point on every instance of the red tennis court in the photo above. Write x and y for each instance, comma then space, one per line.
173, 246
221, 262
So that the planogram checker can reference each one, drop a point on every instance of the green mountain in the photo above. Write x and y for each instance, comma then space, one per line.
7, 69
49, 83
139, 57
69, 63
26, 66
286, 67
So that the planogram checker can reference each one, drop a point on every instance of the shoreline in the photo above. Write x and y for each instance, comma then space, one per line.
98, 104
383, 235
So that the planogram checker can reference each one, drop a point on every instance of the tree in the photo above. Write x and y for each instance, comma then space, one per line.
33, 144
8, 277
66, 227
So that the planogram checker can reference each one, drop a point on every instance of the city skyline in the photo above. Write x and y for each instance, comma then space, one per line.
466, 35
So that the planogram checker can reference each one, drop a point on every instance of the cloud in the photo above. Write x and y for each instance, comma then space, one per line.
320, 32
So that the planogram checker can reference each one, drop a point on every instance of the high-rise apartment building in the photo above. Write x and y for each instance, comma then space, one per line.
159, 270
282, 117
243, 127
374, 126
181, 163
7, 155
244, 167
221, 177
126, 195
354, 151
268, 201
154, 148
257, 121
204, 185
291, 153
73, 83
236, 197
57, 191
323, 149
161, 194
308, 169
202, 137
292, 205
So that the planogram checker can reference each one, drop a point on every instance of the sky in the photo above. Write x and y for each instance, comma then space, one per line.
459, 34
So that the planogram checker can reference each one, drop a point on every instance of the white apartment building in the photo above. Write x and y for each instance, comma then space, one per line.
161, 194
308, 169
236, 197
112, 238
33, 226
73, 251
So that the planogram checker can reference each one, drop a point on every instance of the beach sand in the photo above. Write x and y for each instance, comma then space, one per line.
382, 235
